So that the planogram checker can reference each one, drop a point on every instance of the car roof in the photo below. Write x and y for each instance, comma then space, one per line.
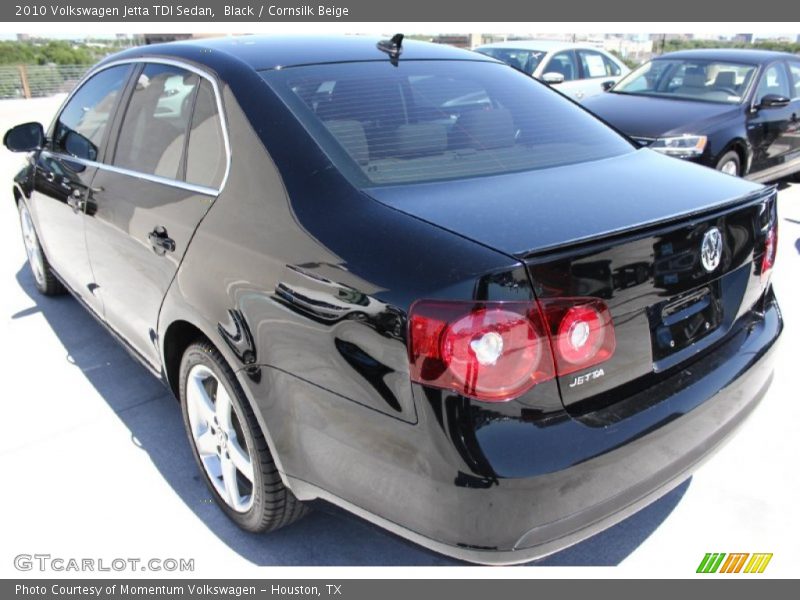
749, 55
279, 51
541, 45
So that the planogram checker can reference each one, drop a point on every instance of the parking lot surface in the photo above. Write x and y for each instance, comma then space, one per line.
96, 464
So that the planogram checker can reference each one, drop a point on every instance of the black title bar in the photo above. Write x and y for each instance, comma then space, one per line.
393, 589
453, 11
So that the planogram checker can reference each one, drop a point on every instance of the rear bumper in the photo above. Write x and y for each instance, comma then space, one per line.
670, 454
410, 478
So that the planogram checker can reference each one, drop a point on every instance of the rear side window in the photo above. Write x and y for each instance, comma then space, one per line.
596, 64
437, 120
80, 127
153, 131
206, 159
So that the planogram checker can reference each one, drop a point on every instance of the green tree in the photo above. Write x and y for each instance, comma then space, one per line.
45, 52
672, 45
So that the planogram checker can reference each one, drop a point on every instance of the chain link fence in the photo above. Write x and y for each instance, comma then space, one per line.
37, 81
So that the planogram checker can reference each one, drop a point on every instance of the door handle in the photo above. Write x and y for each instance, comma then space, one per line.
579, 95
76, 201
160, 241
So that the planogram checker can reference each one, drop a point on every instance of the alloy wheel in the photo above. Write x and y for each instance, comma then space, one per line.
32, 247
730, 168
217, 434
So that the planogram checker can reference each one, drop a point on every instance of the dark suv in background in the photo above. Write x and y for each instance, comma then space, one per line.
734, 110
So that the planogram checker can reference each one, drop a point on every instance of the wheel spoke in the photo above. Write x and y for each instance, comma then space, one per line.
240, 459
199, 402
206, 443
229, 480
223, 409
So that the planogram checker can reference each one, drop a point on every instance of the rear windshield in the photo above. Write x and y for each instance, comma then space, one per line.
438, 120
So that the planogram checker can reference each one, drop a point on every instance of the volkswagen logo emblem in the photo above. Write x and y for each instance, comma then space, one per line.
711, 249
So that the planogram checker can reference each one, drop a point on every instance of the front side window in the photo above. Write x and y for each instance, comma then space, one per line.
794, 67
81, 126
438, 120
596, 64
690, 79
774, 81
565, 64
153, 132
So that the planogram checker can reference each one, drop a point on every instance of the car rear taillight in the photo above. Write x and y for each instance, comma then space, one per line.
496, 351
582, 332
492, 351
770, 252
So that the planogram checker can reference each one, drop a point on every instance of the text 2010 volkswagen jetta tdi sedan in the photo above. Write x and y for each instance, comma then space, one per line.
408, 280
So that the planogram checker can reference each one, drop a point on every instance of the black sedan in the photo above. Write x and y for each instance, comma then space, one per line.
407, 280
734, 110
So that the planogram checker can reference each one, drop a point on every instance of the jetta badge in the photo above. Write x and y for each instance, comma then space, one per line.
711, 249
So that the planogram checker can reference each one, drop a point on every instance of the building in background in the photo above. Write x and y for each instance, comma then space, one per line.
160, 38
668, 37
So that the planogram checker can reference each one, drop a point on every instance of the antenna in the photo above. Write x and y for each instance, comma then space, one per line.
393, 47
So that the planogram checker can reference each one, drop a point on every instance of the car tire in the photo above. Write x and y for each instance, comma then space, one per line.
44, 278
730, 163
229, 446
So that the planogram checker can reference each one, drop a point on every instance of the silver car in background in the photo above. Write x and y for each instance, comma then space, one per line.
576, 70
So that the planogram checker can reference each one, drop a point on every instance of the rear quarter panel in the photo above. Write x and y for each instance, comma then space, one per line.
294, 271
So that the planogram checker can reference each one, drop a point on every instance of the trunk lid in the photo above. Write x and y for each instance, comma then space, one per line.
628, 230
535, 211
668, 304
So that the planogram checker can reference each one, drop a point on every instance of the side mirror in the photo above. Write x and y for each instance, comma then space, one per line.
24, 138
773, 101
607, 85
79, 146
553, 78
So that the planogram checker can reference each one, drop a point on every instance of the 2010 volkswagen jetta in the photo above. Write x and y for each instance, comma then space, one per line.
405, 279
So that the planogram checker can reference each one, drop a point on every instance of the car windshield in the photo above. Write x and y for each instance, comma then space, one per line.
435, 120
690, 79
524, 60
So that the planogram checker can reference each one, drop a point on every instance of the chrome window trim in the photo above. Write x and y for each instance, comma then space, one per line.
208, 191
198, 189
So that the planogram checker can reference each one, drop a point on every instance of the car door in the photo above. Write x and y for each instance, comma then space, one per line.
596, 68
566, 64
771, 129
794, 124
169, 160
65, 169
